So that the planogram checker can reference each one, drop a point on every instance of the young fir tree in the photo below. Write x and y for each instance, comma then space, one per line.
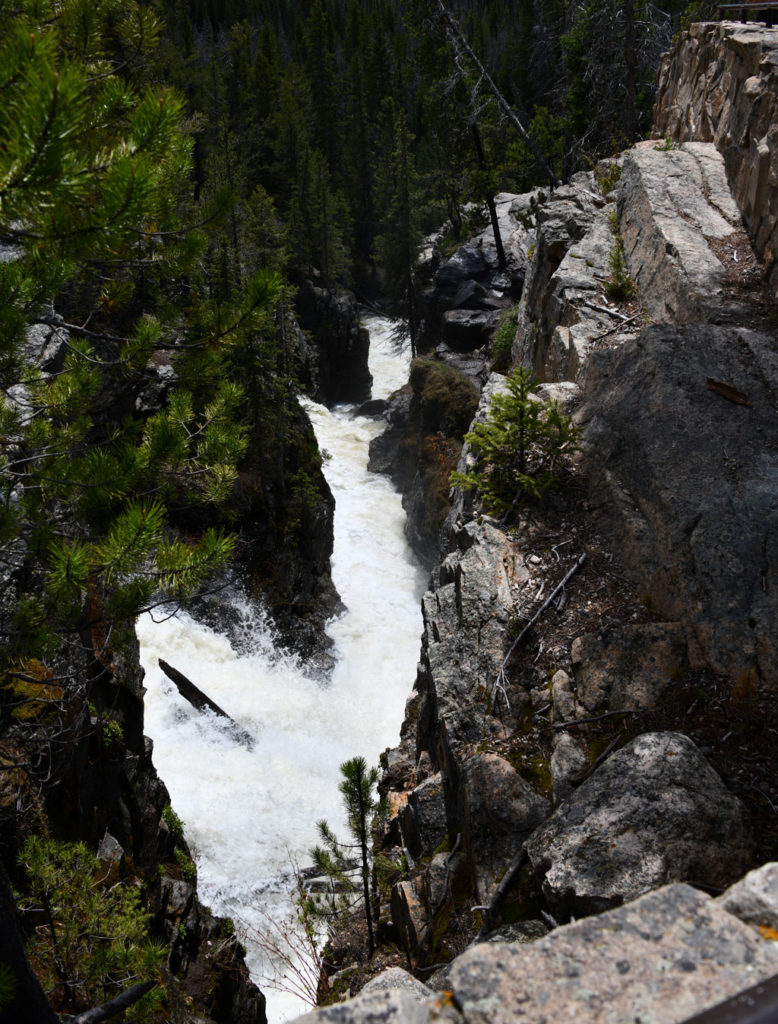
518, 449
335, 859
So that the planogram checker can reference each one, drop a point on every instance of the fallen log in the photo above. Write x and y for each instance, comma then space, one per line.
202, 701
114, 1006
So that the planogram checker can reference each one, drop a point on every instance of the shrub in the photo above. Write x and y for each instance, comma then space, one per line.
608, 176
619, 285
502, 342
519, 448
94, 942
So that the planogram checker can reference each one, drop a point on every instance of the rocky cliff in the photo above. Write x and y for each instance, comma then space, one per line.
603, 755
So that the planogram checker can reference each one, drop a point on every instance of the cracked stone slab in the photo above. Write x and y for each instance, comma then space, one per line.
658, 960
670, 203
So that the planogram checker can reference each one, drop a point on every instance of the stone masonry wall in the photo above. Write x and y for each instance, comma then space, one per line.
720, 84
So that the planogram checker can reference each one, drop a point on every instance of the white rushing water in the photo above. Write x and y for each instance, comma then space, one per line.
246, 812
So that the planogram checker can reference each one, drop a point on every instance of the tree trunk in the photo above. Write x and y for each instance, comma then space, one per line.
631, 110
28, 1004
365, 870
490, 201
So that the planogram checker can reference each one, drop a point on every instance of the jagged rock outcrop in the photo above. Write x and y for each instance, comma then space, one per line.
666, 956
336, 369
461, 297
563, 305
655, 812
719, 84
427, 421
673, 204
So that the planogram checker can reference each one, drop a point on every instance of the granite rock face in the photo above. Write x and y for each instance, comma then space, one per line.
682, 456
654, 812
497, 812
719, 84
664, 957
671, 203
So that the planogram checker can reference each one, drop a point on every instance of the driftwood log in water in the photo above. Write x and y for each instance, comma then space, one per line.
202, 701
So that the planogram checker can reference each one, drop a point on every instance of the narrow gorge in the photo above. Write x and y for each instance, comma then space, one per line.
218, 463
614, 766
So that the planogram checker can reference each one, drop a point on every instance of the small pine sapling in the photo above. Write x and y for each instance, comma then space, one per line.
519, 449
336, 859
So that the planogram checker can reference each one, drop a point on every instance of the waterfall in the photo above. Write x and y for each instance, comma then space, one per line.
247, 812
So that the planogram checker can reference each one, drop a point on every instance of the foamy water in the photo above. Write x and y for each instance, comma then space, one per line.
247, 812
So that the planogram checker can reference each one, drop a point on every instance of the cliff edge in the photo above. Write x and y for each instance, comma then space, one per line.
580, 783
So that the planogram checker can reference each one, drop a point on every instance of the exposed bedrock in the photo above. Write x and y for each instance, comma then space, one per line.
655, 812
682, 455
664, 957
719, 84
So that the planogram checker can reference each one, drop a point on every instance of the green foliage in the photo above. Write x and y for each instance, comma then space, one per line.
619, 285
334, 859
174, 824
8, 985
94, 941
608, 175
519, 449
502, 341
93, 165
186, 867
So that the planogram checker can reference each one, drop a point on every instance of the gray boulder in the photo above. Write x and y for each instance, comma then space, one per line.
754, 899
382, 1007
662, 958
655, 812
671, 203
395, 979
497, 811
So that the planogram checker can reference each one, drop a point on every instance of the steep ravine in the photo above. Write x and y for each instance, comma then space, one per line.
250, 811
617, 769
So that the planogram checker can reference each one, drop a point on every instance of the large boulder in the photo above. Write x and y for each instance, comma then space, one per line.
664, 957
681, 450
672, 203
497, 812
655, 812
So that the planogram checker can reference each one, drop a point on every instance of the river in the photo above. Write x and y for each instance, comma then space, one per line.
247, 813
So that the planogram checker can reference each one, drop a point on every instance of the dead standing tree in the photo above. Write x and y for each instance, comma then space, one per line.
468, 63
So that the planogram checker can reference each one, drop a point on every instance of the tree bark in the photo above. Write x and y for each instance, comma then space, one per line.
490, 201
28, 1004
631, 111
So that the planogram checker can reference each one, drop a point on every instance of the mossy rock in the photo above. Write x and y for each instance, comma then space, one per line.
449, 399
32, 694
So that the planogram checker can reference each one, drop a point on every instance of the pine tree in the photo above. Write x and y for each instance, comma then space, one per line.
518, 449
333, 858
92, 169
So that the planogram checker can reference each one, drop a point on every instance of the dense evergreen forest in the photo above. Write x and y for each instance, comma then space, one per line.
171, 173
349, 129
